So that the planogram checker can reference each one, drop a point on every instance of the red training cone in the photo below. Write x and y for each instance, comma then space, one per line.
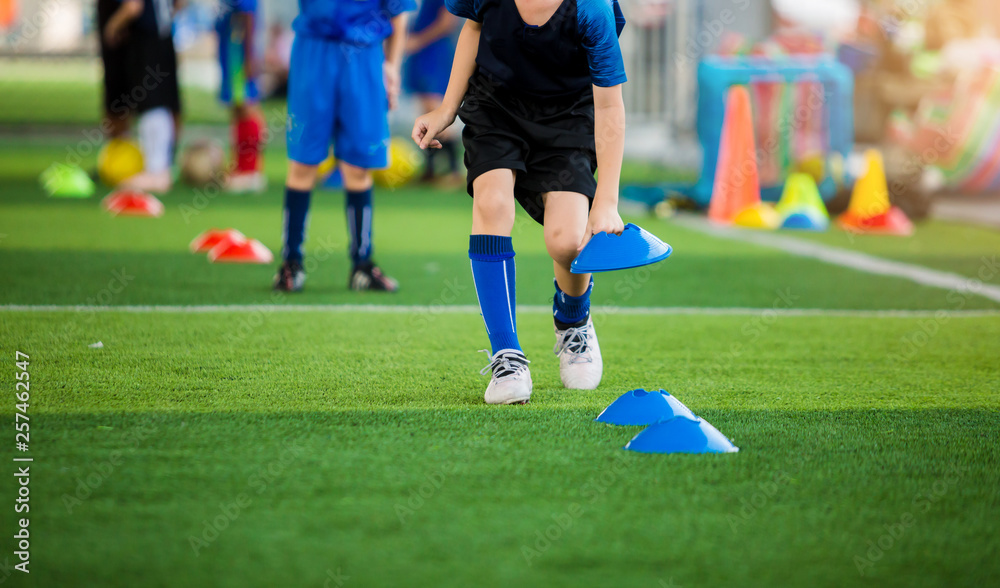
132, 203
230, 250
204, 242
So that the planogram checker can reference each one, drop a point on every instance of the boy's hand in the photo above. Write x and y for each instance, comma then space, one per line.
430, 125
390, 72
603, 218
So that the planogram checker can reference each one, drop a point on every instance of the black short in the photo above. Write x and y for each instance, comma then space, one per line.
114, 59
140, 74
549, 142
153, 73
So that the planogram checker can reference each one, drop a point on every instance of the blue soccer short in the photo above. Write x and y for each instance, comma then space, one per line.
336, 93
236, 86
427, 71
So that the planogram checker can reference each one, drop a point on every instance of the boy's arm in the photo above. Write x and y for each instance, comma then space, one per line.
609, 139
442, 26
114, 31
394, 47
429, 125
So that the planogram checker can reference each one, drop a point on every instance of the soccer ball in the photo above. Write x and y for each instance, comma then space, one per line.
118, 159
203, 162
404, 162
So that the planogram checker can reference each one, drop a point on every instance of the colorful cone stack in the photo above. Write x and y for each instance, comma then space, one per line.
132, 203
736, 194
801, 206
870, 210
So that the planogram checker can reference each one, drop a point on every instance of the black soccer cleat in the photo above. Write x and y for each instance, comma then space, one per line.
290, 277
368, 276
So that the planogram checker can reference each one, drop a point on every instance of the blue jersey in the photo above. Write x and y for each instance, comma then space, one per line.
426, 15
576, 47
228, 7
358, 22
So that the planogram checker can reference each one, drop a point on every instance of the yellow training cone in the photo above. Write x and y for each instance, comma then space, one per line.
801, 193
869, 210
871, 192
759, 216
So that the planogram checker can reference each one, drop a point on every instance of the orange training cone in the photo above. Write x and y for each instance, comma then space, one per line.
240, 250
737, 183
870, 210
132, 203
210, 238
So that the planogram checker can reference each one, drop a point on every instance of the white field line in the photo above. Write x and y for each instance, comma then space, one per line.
470, 309
845, 258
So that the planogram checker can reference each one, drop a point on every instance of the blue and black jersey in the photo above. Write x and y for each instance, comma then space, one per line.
361, 23
577, 46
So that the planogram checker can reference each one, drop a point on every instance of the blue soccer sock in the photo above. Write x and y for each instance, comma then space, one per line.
296, 213
569, 310
359, 224
493, 273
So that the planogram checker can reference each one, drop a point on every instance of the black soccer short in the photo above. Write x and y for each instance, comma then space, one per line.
115, 61
140, 73
548, 142
153, 73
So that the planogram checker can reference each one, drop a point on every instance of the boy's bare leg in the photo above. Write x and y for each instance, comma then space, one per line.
491, 254
580, 362
355, 178
493, 203
565, 224
300, 176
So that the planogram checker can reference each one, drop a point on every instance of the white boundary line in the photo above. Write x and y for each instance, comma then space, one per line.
845, 258
470, 309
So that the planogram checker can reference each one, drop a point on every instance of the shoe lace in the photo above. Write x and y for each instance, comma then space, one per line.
505, 365
574, 341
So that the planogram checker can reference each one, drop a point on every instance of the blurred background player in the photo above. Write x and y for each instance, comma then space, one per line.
236, 27
341, 86
430, 47
142, 31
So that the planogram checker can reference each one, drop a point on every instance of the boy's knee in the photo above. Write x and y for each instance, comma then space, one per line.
355, 178
300, 176
493, 203
562, 243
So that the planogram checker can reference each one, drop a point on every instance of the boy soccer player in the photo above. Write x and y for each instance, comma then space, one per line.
431, 48
236, 28
534, 81
340, 87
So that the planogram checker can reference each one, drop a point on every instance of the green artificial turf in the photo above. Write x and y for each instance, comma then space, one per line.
354, 446
374, 456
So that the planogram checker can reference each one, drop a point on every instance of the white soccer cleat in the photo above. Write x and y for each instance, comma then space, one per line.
580, 363
511, 381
